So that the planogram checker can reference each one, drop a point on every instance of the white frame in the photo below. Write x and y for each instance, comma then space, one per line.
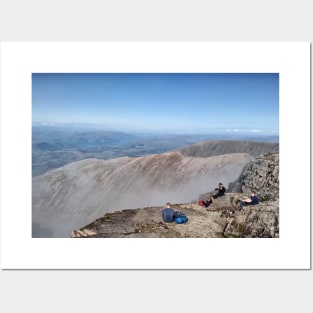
290, 59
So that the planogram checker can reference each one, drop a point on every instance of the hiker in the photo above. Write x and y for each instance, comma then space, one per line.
250, 201
168, 214
220, 192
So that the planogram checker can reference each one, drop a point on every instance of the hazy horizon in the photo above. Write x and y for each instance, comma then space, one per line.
80, 127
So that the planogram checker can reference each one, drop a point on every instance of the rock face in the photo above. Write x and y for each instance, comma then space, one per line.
220, 219
255, 221
261, 176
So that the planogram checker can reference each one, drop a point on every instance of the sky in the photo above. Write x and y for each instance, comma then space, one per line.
186, 102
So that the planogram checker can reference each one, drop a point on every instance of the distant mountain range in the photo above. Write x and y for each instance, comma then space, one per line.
218, 147
53, 147
77, 193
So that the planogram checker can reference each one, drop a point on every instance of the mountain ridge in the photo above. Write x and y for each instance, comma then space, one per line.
55, 148
217, 147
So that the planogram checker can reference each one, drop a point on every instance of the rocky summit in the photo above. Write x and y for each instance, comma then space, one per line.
262, 176
222, 219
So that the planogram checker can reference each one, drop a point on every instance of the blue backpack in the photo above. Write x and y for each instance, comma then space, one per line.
181, 218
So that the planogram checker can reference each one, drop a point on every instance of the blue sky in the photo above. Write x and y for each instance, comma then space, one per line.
188, 102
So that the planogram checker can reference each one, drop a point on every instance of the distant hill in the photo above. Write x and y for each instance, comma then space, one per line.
57, 139
218, 147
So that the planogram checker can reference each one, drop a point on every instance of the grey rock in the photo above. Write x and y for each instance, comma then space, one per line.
261, 176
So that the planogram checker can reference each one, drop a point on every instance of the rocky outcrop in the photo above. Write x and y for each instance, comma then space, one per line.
220, 220
261, 176
257, 221
148, 223
262, 220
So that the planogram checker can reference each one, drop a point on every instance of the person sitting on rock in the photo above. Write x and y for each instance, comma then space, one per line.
168, 214
250, 201
220, 192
